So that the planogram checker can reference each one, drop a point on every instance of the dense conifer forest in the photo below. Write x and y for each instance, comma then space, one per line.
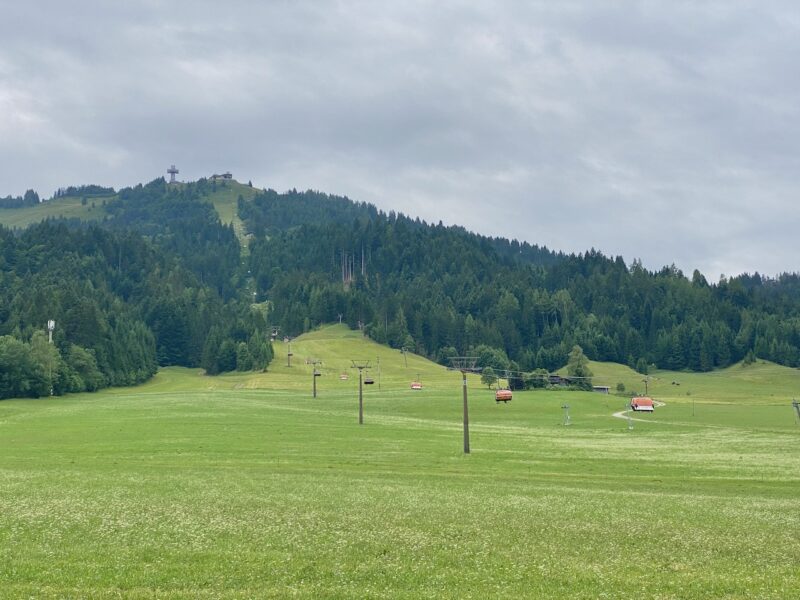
157, 283
443, 291
160, 280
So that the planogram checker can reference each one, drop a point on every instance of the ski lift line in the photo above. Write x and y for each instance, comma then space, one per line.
532, 376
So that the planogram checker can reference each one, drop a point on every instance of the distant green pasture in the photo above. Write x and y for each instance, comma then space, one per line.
69, 207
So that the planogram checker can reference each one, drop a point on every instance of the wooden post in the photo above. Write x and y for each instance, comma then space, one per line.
360, 400
466, 414
360, 365
464, 364
314, 374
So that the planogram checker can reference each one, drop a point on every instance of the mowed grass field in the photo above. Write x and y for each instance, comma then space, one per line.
244, 486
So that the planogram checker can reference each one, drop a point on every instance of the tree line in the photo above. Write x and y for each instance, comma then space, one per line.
30, 198
86, 191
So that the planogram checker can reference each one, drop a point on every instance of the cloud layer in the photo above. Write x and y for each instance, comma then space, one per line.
666, 132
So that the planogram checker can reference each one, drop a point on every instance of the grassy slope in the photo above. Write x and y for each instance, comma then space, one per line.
724, 397
63, 207
762, 383
244, 486
225, 200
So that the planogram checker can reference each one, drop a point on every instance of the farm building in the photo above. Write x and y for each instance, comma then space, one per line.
641, 403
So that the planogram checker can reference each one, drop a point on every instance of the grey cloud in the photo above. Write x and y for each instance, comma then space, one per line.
667, 132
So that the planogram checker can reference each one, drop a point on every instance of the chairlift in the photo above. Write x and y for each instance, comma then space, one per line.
344, 376
368, 380
416, 385
502, 395
317, 373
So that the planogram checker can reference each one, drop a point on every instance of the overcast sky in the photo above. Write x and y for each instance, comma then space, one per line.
666, 131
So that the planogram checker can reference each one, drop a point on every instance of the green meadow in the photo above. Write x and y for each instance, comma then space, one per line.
69, 207
225, 200
244, 486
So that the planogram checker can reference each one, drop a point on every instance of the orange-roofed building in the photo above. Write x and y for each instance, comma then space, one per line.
642, 403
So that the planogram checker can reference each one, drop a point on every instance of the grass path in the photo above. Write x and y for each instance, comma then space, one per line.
225, 201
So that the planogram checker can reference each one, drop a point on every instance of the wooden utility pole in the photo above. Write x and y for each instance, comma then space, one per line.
314, 374
466, 413
51, 325
465, 364
360, 365
289, 352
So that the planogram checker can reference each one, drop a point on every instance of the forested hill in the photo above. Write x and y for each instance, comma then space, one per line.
152, 276
158, 281
445, 291
270, 212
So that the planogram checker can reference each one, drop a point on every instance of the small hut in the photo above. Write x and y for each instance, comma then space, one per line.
642, 404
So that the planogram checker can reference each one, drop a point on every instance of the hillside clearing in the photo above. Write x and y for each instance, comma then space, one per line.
68, 208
